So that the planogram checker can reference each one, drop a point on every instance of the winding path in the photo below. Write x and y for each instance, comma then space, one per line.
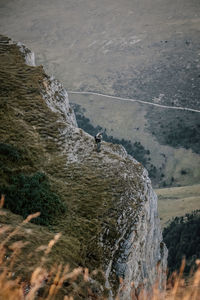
135, 100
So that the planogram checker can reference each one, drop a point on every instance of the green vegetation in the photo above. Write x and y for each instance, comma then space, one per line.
177, 201
10, 152
176, 128
136, 149
30, 194
182, 237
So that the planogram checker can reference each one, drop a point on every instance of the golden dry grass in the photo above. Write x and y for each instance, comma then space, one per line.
51, 280
16, 288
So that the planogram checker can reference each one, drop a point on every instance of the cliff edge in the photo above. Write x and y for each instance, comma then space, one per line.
111, 221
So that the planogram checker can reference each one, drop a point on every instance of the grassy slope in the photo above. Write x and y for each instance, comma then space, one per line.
129, 120
91, 189
177, 201
25, 124
36, 236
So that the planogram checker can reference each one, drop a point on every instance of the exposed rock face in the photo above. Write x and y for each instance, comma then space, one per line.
28, 55
145, 243
57, 100
112, 209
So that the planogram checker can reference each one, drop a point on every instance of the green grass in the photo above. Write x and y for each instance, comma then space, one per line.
177, 201
176, 128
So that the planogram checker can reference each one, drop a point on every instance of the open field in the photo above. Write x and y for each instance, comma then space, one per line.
147, 49
177, 201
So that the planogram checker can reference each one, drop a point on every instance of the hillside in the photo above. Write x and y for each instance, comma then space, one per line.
176, 202
110, 220
183, 240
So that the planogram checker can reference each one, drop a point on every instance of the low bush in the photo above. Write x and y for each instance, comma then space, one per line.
10, 152
182, 237
29, 194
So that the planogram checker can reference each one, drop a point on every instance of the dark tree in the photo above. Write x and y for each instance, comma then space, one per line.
182, 237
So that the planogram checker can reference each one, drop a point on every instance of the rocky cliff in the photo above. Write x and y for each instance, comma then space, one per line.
111, 222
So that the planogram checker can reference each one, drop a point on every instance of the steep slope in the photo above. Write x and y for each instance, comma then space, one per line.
111, 220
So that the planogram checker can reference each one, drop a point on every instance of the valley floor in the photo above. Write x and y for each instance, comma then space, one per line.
177, 201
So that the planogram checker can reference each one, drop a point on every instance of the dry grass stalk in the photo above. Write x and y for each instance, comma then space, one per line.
2, 201
15, 289
12, 288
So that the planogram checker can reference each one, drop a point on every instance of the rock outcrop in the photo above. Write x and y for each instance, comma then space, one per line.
112, 218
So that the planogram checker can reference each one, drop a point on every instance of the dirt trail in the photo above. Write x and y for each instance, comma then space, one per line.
135, 100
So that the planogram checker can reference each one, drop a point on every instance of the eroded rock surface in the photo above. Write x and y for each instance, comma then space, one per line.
111, 219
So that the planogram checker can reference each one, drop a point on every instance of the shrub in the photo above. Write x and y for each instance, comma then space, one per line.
182, 237
10, 152
30, 194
